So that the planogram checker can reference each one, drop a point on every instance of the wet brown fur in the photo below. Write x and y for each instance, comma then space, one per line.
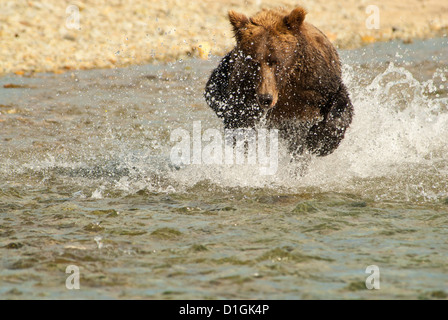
279, 54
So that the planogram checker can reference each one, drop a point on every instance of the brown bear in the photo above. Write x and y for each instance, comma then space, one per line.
285, 74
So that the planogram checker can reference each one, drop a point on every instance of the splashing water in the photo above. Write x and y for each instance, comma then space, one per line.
397, 138
397, 126
86, 179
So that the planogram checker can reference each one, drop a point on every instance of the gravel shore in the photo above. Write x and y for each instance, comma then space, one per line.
39, 36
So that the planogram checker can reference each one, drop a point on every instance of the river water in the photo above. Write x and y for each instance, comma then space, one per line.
86, 180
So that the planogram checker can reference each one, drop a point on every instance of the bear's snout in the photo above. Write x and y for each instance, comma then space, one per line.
266, 87
265, 100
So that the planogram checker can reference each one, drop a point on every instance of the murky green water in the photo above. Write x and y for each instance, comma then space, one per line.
86, 180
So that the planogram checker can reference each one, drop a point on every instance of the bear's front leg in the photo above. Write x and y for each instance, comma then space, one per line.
325, 136
216, 89
230, 92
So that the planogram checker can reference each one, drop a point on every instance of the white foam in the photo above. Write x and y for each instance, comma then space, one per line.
396, 126
399, 132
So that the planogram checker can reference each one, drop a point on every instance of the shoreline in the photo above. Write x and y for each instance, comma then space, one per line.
59, 36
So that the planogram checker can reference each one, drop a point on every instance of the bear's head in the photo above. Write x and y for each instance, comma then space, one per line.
269, 44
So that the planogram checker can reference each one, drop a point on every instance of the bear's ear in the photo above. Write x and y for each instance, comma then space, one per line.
238, 20
295, 18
